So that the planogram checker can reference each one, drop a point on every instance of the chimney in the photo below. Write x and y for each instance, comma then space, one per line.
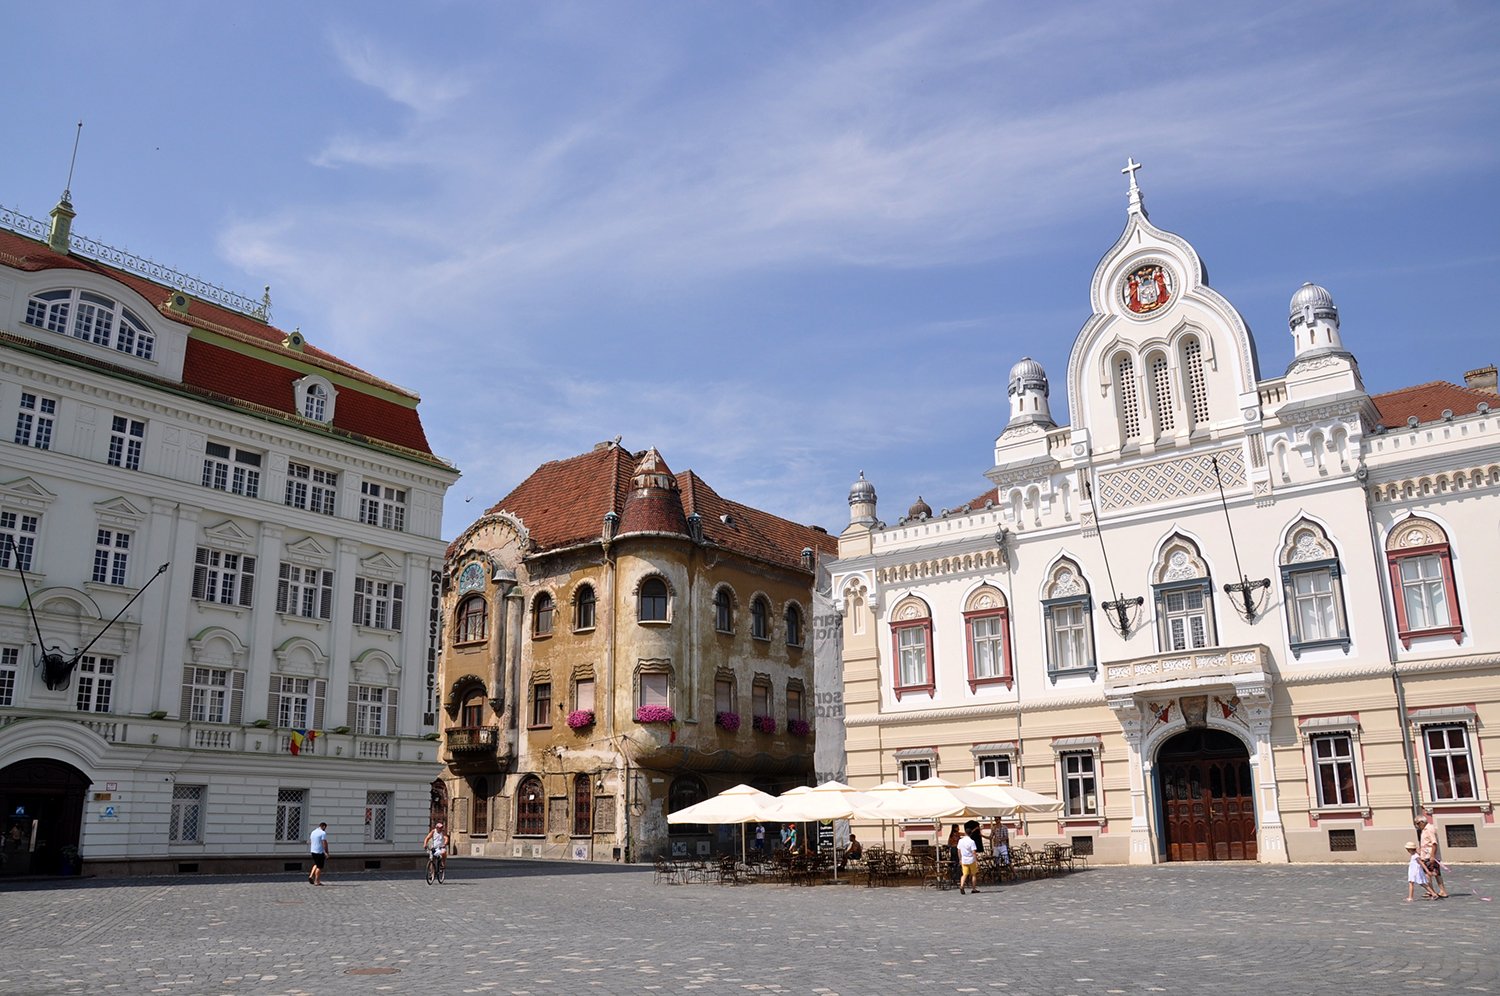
1483, 379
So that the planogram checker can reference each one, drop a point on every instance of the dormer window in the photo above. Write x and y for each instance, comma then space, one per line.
92, 318
315, 398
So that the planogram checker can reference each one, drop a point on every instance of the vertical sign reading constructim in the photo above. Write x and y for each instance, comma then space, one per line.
828, 678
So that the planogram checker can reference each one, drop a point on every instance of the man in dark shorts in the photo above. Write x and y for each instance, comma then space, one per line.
318, 844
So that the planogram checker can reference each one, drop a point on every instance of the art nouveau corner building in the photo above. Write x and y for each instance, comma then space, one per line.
296, 506
1070, 629
621, 642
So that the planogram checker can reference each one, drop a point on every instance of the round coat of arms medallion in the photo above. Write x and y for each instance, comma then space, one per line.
1147, 288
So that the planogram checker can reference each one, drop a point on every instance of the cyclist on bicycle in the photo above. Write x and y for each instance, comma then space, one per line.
436, 845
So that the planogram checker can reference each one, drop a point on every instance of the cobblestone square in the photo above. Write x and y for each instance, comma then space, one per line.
517, 927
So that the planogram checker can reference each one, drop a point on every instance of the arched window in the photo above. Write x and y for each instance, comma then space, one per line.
1194, 387
583, 806
911, 634
686, 790
481, 823
1066, 610
653, 601
315, 404
471, 714
1313, 590
1421, 566
760, 618
723, 611
471, 621
1184, 598
583, 608
95, 319
1125, 394
541, 615
530, 805
793, 624
987, 637
1161, 395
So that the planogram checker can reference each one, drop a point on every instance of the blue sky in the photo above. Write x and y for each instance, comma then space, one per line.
782, 241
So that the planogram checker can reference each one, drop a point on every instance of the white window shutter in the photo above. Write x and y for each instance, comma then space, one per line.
237, 696
320, 691
186, 709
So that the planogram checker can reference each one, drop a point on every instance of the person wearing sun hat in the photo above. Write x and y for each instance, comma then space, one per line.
1415, 874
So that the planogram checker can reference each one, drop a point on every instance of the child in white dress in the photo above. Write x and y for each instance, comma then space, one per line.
1416, 875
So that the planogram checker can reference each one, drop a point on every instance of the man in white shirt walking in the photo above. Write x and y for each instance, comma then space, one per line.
318, 843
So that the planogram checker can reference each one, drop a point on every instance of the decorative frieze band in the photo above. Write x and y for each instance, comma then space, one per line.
1165, 480
1430, 485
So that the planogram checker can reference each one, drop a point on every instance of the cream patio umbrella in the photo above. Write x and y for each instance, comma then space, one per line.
741, 804
830, 801
938, 799
1021, 801
885, 790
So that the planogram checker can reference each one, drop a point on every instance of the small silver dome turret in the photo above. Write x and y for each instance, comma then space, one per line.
1314, 319
1028, 392
862, 501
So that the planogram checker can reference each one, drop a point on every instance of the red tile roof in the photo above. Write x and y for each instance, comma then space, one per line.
563, 503
232, 375
1428, 402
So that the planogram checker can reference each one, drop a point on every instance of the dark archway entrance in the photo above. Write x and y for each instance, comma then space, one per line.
1208, 797
41, 805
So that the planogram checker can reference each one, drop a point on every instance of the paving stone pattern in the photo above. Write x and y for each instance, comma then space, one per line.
513, 927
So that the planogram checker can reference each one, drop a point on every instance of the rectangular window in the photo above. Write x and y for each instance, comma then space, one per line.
290, 804
383, 506
541, 703
370, 710
9, 664
94, 321
209, 697
126, 437
1424, 592
724, 695
18, 538
311, 488
229, 468
34, 421
185, 825
305, 591
793, 704
225, 578
1080, 796
1068, 640
655, 688
911, 646
1186, 618
1314, 605
915, 771
96, 682
760, 699
995, 766
1333, 759
378, 604
987, 647
293, 701
377, 817
583, 693
111, 556
1450, 765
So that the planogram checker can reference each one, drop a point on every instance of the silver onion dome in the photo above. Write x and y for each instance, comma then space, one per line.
1311, 302
1028, 374
862, 491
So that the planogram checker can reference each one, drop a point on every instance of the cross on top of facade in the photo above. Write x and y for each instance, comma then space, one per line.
1130, 167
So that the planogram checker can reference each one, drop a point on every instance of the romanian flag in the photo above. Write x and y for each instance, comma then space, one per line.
300, 737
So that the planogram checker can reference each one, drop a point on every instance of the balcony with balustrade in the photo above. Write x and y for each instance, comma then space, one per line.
1187, 671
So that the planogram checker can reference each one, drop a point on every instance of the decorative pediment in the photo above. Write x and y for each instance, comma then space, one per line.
308, 551
24, 492
381, 565
301, 657
217, 646
118, 512
375, 667
229, 535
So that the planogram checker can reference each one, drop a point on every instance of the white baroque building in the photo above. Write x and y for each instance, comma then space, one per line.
1288, 674
295, 506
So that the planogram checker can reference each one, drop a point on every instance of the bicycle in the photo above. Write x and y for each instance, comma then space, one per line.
437, 867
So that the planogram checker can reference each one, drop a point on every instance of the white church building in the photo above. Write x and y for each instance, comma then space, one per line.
216, 539
1221, 616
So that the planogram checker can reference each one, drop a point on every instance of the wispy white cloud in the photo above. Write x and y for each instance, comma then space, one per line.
425, 89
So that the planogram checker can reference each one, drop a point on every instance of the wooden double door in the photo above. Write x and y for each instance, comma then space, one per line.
1208, 797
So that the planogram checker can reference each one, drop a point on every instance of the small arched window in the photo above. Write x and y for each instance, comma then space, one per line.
1184, 598
1129, 403
793, 625
760, 618
1195, 389
911, 636
723, 611
315, 404
529, 807
583, 608
1420, 561
653, 601
472, 620
541, 615
1161, 395
1313, 590
1066, 607
686, 790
